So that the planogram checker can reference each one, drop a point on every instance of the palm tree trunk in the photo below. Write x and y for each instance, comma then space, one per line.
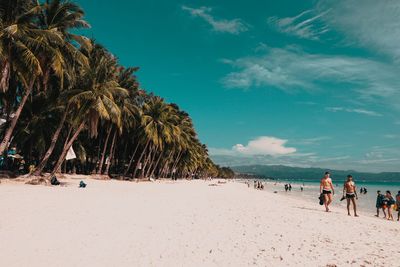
164, 170
5, 76
175, 164
66, 148
157, 162
131, 160
4, 144
100, 170
140, 158
152, 159
111, 152
147, 159
54, 139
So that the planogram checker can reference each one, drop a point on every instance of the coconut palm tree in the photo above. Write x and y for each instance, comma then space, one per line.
19, 65
62, 16
158, 122
95, 98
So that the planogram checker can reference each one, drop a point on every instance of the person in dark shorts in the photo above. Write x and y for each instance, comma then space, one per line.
350, 193
327, 190
398, 205
388, 203
379, 203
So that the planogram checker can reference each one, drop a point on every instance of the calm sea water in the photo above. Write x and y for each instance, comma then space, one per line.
365, 202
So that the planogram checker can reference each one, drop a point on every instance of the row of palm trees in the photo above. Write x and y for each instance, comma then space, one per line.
60, 91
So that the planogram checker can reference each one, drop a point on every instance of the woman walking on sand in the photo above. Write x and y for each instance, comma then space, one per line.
388, 203
327, 190
349, 189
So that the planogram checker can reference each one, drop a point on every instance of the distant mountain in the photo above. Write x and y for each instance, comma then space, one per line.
280, 172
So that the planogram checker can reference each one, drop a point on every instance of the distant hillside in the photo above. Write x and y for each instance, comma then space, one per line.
312, 174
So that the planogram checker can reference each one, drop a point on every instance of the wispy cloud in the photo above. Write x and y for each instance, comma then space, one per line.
291, 68
312, 141
369, 23
233, 26
372, 24
354, 110
306, 25
392, 136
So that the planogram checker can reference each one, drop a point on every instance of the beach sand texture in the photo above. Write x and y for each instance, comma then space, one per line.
186, 223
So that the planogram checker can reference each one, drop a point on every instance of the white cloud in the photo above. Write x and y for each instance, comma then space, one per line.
306, 25
233, 26
292, 69
263, 145
354, 110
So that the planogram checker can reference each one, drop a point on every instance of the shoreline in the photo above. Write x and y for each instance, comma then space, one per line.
182, 223
365, 203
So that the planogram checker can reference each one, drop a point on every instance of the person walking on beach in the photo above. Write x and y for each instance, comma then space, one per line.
327, 190
388, 203
379, 203
398, 205
349, 189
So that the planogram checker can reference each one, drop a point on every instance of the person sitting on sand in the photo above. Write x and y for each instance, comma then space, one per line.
388, 202
398, 205
327, 190
349, 189
379, 203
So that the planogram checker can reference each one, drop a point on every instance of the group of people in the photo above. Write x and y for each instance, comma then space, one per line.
288, 187
363, 190
385, 202
258, 185
349, 192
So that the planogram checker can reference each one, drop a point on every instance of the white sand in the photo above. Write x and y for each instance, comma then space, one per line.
112, 223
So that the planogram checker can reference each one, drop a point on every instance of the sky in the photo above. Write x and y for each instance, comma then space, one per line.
297, 83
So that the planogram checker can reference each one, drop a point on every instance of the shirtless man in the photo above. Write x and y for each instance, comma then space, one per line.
326, 188
349, 188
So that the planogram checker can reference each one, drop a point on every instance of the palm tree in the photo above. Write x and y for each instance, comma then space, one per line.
96, 98
19, 63
130, 113
63, 17
158, 122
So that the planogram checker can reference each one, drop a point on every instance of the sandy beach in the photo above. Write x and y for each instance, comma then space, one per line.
184, 223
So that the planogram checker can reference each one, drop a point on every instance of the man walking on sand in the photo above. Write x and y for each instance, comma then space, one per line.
349, 189
327, 190
379, 203
398, 205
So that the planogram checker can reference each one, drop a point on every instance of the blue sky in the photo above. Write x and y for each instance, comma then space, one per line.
300, 83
